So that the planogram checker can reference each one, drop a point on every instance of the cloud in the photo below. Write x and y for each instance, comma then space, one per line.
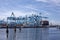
42, 0
55, 2
31, 7
35, 10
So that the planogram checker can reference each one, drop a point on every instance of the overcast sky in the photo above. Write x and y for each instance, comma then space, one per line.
49, 8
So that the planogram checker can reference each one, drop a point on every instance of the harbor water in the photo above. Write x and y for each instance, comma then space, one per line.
31, 34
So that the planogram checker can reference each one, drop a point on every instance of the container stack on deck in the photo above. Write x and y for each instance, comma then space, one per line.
27, 21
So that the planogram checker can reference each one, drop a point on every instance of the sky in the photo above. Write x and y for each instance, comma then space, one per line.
48, 8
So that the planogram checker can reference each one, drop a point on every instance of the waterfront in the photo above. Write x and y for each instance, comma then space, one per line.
34, 34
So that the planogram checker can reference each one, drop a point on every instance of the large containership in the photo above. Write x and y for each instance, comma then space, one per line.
31, 30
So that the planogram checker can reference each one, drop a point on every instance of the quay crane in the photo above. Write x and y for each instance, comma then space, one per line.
33, 20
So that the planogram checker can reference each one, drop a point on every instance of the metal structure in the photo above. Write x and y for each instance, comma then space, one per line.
30, 27
13, 22
27, 21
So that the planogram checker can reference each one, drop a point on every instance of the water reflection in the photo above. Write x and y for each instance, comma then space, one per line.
54, 34
32, 34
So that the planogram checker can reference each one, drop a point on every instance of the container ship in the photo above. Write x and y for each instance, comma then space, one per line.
30, 30
27, 21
